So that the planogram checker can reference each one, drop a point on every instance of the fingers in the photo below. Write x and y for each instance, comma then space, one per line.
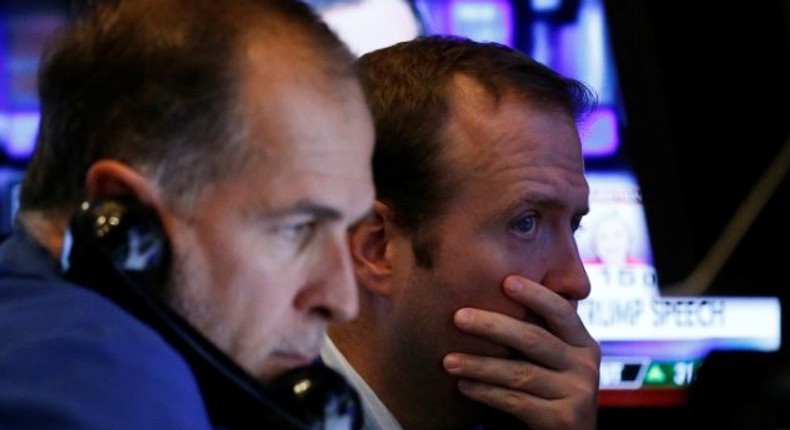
534, 342
539, 397
554, 383
535, 412
525, 376
559, 313
528, 339
521, 376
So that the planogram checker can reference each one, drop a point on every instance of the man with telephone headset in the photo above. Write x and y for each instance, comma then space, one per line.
181, 241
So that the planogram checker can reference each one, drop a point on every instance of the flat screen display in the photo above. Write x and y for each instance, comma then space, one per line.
652, 344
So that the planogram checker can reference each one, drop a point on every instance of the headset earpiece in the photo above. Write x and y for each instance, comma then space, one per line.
127, 233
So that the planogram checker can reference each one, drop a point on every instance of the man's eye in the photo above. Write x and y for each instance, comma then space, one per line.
524, 225
296, 231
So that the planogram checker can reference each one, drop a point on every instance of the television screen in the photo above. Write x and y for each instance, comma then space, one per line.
653, 344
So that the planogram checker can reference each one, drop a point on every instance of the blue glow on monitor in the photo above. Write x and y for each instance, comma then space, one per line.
545, 5
485, 20
581, 50
24, 28
600, 133
578, 49
18, 134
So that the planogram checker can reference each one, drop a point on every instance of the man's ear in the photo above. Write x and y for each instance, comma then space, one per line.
369, 242
112, 178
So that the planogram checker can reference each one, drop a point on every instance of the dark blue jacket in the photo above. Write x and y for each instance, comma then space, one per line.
71, 359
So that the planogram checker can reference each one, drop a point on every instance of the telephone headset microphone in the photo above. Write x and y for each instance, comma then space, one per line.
118, 248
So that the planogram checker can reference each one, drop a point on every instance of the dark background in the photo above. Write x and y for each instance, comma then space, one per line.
706, 90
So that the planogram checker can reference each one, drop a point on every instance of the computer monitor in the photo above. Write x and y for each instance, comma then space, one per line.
653, 344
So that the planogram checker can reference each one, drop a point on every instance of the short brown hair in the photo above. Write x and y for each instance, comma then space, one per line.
408, 86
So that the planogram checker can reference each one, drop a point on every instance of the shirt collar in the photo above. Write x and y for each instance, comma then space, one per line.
376, 415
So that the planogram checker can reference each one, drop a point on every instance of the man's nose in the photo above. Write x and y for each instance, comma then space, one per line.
333, 290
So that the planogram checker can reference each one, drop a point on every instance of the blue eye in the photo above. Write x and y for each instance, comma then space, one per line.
296, 231
523, 226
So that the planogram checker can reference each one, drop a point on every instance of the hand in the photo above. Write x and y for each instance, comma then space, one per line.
555, 384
